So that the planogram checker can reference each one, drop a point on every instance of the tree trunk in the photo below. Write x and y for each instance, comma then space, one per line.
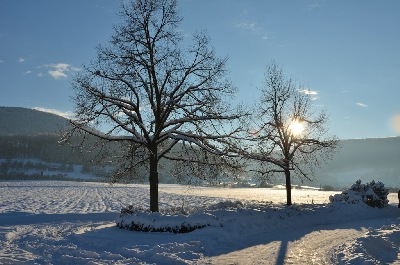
288, 187
153, 183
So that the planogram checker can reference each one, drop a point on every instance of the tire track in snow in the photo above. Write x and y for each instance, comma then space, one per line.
101, 206
80, 203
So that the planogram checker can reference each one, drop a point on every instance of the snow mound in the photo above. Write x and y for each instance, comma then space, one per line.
158, 222
373, 194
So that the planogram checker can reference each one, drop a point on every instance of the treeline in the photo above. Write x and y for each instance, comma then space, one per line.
9, 164
43, 147
15, 175
19, 152
46, 148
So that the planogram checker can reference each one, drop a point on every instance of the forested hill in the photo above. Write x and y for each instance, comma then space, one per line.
29, 122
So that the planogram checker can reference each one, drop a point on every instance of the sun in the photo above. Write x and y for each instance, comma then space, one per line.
296, 128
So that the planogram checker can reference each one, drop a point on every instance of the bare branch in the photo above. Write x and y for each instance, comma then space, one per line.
150, 91
282, 105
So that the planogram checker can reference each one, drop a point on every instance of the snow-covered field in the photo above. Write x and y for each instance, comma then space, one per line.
74, 223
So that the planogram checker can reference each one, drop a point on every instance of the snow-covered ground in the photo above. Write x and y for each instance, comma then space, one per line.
74, 223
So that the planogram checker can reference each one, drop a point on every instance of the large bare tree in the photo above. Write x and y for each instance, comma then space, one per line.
149, 92
290, 135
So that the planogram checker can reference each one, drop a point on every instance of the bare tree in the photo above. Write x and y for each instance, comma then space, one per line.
290, 135
151, 93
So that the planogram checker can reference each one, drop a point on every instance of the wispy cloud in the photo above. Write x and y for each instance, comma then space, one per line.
247, 22
1, 61
309, 92
362, 105
28, 72
255, 29
21, 60
314, 5
60, 70
251, 26
65, 114
313, 94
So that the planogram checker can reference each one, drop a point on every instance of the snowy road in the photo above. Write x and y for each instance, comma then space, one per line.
74, 223
329, 244
317, 247
312, 247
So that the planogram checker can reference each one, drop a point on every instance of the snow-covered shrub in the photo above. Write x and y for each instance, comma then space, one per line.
373, 194
133, 219
226, 205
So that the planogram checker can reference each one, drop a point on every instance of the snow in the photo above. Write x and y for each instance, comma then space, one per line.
47, 222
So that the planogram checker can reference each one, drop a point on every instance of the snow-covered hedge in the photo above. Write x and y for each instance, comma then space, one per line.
373, 194
131, 219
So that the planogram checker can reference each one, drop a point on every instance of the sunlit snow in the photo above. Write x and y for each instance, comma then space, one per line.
74, 223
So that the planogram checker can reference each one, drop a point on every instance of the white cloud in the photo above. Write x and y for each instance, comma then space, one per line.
65, 114
60, 70
252, 26
362, 105
1, 61
40, 75
314, 5
21, 60
309, 92
28, 72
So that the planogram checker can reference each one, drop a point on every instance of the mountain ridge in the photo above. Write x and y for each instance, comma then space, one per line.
30, 122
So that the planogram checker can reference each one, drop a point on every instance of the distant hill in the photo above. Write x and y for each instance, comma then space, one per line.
28, 133
366, 159
29, 142
23, 121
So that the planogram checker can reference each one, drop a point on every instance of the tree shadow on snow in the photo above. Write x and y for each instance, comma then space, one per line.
297, 229
103, 241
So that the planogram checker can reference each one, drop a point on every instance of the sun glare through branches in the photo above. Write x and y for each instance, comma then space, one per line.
296, 127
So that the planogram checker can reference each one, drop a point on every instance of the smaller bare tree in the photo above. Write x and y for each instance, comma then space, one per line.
290, 135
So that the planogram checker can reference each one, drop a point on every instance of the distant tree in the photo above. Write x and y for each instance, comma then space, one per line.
149, 93
290, 135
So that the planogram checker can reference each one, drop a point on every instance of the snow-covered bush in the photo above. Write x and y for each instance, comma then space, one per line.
373, 194
138, 220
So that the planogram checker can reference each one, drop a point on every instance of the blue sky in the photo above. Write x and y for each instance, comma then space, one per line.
346, 52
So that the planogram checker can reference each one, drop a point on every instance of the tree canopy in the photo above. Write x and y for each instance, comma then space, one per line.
288, 134
150, 92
